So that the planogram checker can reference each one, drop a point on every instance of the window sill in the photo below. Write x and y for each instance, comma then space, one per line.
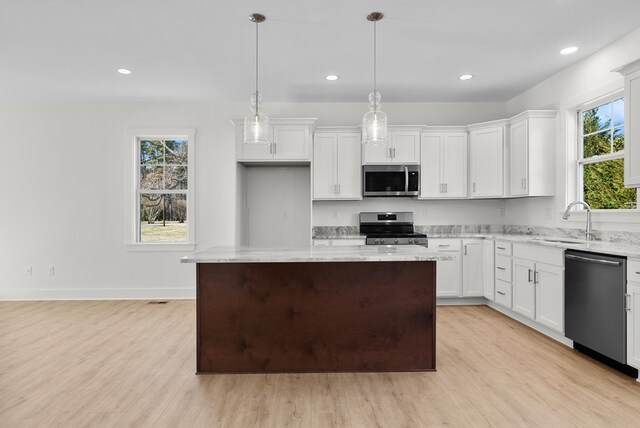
161, 247
606, 216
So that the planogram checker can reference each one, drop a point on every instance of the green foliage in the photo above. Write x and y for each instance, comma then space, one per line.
604, 181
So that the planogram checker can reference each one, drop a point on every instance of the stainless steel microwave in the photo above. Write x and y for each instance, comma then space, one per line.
391, 180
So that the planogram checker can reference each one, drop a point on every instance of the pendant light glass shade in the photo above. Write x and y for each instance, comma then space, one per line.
374, 122
256, 123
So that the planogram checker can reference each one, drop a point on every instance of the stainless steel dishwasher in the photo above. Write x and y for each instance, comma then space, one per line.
595, 312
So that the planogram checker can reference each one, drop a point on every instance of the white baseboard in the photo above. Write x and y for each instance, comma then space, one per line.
530, 323
100, 294
454, 301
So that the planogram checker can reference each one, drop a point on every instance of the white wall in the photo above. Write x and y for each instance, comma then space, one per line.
589, 79
64, 171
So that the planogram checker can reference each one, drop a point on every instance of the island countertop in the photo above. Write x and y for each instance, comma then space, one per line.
360, 253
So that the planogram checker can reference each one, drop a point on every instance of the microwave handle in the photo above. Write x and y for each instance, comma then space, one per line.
406, 179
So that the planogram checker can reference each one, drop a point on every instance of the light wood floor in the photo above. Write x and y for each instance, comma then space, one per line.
121, 364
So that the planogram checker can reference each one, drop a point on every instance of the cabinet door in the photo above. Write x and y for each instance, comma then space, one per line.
486, 162
405, 147
489, 274
524, 289
633, 325
519, 158
252, 151
324, 166
472, 268
291, 142
449, 277
632, 129
349, 170
550, 296
375, 153
454, 165
430, 161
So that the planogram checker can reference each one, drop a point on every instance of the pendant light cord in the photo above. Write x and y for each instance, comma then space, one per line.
375, 91
257, 67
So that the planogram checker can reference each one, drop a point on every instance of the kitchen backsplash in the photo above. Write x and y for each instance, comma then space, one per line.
472, 229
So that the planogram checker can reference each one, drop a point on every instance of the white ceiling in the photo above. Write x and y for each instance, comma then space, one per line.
68, 50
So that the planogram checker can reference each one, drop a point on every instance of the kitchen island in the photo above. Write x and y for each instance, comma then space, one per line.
315, 309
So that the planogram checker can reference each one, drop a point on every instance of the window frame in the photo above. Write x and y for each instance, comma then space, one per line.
133, 231
580, 161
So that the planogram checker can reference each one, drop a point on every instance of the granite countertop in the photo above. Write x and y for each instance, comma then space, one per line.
341, 236
361, 253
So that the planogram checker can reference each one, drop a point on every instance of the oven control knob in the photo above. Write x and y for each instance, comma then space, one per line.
396, 241
377, 241
382, 241
410, 241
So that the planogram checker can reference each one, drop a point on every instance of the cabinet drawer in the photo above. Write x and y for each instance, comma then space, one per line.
445, 244
503, 268
503, 293
539, 253
633, 270
503, 248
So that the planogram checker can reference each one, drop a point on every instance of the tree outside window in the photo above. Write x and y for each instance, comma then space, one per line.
601, 158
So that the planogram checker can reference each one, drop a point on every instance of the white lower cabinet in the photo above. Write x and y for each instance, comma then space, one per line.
448, 272
489, 274
524, 289
538, 284
633, 313
503, 293
472, 268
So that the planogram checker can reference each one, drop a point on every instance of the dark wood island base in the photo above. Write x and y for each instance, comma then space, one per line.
316, 317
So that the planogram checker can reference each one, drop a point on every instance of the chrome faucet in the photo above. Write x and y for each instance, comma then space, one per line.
589, 231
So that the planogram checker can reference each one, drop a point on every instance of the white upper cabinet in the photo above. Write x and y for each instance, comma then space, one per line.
631, 74
532, 153
337, 173
443, 164
402, 147
486, 160
289, 140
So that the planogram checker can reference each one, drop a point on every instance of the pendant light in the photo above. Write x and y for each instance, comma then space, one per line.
256, 124
374, 122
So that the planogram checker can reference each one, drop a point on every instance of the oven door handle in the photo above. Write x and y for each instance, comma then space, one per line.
406, 179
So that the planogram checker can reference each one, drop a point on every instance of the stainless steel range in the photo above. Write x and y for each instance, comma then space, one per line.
390, 229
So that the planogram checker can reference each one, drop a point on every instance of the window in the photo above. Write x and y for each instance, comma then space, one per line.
163, 188
601, 157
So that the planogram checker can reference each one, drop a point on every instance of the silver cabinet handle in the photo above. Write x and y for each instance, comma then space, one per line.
529, 276
501, 293
465, 249
637, 273
394, 152
443, 245
474, 186
270, 148
406, 179
524, 183
446, 188
500, 268
501, 248
535, 276
590, 260
627, 302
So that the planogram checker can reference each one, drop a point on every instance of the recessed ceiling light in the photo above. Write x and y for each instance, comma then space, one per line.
569, 50
466, 77
332, 77
124, 71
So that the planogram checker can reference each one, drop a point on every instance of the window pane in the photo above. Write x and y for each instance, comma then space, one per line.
151, 152
597, 144
596, 119
604, 186
151, 177
618, 139
177, 152
163, 218
176, 177
618, 112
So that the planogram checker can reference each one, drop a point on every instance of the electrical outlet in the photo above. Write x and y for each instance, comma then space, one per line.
425, 213
334, 213
548, 213
52, 270
29, 270
284, 215
501, 212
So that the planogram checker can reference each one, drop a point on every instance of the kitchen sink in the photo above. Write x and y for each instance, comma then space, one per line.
563, 240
